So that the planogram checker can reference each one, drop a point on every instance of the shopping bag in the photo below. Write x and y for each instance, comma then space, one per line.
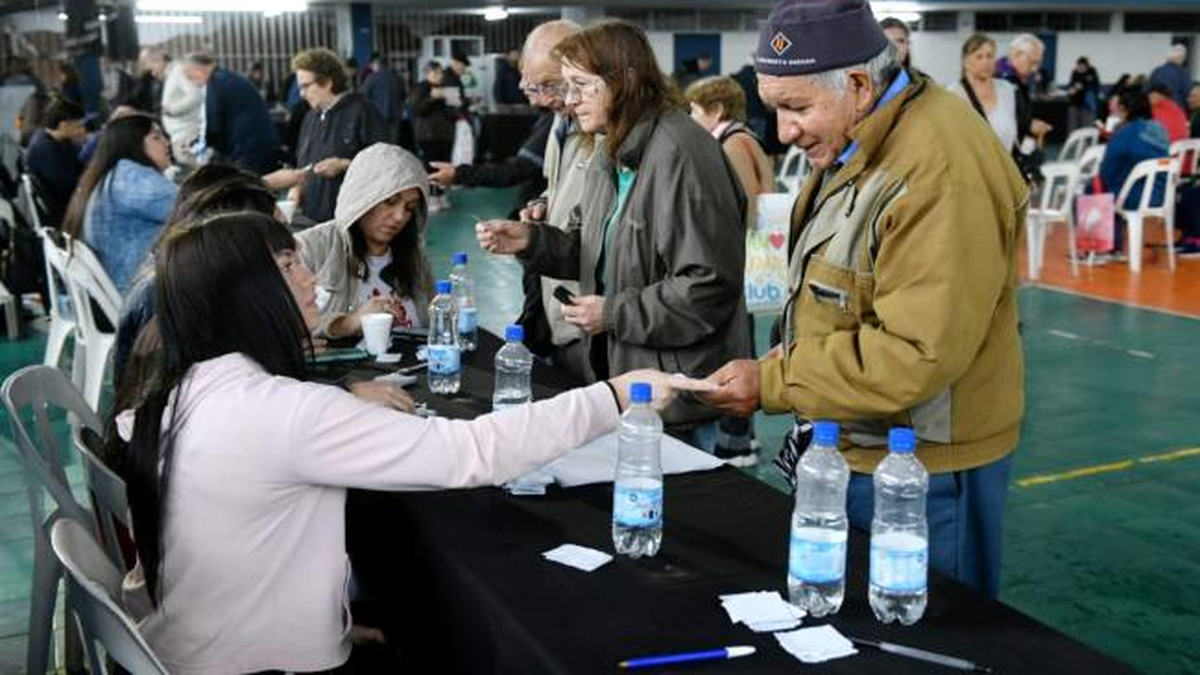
464, 144
1094, 223
766, 254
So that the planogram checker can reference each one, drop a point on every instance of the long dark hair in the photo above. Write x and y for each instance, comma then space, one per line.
219, 291
122, 138
407, 274
620, 53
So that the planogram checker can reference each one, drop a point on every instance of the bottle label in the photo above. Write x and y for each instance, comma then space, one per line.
466, 320
900, 569
443, 359
817, 556
637, 506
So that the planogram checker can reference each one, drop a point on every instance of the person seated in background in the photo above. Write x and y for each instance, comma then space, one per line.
1167, 112
1194, 111
123, 198
659, 242
237, 124
340, 124
238, 466
53, 157
371, 256
1138, 137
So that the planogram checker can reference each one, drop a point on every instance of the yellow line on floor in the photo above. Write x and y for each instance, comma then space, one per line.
1111, 467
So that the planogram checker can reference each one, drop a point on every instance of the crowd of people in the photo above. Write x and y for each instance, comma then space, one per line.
638, 193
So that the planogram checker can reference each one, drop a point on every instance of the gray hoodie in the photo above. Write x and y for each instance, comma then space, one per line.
376, 174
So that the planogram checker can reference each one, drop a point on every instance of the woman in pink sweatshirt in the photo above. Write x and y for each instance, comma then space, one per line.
239, 468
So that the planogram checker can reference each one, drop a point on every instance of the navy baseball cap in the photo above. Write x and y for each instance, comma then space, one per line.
803, 37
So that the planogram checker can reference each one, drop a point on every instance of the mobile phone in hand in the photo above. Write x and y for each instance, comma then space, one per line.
564, 295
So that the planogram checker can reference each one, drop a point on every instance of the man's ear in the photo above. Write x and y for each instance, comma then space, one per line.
863, 91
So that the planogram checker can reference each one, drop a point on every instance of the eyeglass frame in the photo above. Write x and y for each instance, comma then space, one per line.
558, 89
588, 90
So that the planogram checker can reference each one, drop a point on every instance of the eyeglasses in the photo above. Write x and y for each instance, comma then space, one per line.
578, 92
545, 89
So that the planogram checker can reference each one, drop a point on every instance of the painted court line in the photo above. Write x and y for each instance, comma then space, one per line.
1067, 335
1111, 467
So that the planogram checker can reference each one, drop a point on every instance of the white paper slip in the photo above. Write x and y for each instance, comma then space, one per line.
816, 644
762, 611
596, 462
398, 379
389, 358
579, 557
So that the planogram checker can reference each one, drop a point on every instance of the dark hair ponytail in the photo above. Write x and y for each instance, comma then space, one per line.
219, 291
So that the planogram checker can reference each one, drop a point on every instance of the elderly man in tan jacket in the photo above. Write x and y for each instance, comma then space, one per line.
903, 275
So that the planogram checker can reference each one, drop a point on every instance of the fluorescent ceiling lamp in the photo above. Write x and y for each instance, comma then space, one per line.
495, 14
182, 19
62, 16
908, 12
264, 6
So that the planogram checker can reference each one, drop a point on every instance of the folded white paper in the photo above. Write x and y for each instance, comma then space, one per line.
762, 611
596, 462
579, 557
816, 644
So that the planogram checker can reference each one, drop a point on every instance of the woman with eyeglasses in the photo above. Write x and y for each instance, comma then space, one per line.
658, 243
239, 467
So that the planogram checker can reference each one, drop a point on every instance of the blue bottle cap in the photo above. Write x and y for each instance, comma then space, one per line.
514, 333
460, 258
639, 392
902, 440
826, 432
442, 287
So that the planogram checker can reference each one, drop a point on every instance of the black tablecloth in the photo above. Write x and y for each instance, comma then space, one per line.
467, 591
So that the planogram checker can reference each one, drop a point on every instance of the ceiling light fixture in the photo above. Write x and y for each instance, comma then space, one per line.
495, 14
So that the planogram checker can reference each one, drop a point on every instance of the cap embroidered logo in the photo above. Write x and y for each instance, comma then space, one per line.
780, 43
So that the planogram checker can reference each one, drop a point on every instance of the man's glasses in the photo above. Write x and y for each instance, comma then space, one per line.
546, 89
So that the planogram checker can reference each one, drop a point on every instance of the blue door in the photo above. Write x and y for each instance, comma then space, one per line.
690, 47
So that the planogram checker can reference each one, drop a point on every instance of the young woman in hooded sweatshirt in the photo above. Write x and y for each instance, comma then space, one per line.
371, 256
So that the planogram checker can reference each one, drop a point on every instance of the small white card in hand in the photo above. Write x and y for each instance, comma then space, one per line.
579, 557
762, 611
398, 379
816, 644
389, 358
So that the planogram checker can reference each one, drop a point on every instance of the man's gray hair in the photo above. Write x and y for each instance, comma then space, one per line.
881, 69
199, 58
1026, 43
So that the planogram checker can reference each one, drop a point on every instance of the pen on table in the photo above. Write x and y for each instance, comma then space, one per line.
922, 655
685, 657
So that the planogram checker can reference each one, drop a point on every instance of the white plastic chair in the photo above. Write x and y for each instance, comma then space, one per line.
29, 397
94, 596
1148, 172
1077, 143
1089, 164
793, 171
1187, 153
1054, 205
29, 202
62, 313
10, 302
92, 289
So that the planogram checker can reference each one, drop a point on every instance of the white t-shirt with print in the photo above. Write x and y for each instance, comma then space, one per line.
374, 286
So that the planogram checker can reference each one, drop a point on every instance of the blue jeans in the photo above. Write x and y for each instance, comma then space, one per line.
965, 510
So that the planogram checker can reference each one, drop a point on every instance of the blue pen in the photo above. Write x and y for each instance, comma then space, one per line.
668, 659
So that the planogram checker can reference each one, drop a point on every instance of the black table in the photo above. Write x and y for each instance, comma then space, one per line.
467, 590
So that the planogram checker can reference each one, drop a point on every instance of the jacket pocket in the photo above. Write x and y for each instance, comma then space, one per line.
830, 300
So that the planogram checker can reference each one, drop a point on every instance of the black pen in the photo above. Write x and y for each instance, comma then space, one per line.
922, 655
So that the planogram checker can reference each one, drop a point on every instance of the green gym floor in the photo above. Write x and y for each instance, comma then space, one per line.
1101, 534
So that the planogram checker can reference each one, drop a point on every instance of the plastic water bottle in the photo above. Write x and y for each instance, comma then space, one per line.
514, 364
464, 293
899, 533
817, 559
638, 487
445, 360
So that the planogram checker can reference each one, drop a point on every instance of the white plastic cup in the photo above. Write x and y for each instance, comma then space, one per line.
377, 332
288, 208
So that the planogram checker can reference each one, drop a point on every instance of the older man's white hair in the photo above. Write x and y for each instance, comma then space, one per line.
544, 37
1026, 43
881, 69
1178, 53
